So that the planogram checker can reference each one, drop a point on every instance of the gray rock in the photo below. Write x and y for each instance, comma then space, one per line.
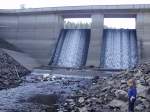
142, 90
148, 91
83, 109
121, 95
81, 100
140, 108
123, 81
117, 104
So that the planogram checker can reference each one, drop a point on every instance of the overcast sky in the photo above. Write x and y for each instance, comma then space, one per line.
11, 4
120, 23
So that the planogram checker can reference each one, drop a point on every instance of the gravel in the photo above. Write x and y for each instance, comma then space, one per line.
11, 72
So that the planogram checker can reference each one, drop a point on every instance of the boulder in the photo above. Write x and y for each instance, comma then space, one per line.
140, 108
83, 109
142, 90
117, 104
121, 95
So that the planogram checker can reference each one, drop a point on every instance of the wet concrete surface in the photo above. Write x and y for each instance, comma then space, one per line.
40, 96
76, 73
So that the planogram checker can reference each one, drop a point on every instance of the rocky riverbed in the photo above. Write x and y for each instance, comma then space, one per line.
50, 93
110, 94
40, 94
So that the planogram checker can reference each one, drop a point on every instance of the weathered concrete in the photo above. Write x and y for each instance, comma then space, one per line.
96, 40
143, 34
35, 35
23, 59
76, 11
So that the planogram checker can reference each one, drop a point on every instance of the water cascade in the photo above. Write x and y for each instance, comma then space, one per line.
72, 48
119, 50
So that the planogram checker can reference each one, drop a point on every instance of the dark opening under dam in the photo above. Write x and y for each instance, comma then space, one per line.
119, 48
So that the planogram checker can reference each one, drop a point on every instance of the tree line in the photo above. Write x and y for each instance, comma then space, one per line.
80, 25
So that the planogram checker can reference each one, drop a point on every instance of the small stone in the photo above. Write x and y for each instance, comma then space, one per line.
148, 91
69, 100
81, 100
139, 73
83, 109
123, 82
142, 81
105, 88
110, 82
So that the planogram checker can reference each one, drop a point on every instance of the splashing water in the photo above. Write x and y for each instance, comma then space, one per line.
119, 49
72, 48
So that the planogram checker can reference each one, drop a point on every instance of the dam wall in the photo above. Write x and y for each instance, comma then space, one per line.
33, 34
36, 31
143, 35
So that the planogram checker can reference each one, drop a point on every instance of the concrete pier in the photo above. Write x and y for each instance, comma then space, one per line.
96, 40
143, 34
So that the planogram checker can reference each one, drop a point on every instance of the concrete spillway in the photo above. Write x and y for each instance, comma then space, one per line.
119, 50
72, 48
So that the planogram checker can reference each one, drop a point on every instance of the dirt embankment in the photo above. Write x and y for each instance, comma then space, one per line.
11, 72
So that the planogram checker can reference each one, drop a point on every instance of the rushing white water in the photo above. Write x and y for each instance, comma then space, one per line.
72, 48
119, 49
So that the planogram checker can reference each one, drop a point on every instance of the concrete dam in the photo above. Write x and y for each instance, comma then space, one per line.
40, 36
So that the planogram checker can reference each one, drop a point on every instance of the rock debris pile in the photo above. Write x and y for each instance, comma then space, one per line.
110, 94
11, 72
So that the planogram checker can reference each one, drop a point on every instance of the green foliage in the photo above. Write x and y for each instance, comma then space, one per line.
72, 25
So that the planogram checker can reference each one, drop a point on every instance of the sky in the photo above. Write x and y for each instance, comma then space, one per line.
125, 23
13, 4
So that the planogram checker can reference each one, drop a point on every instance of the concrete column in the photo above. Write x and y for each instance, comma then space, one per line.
143, 35
96, 40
